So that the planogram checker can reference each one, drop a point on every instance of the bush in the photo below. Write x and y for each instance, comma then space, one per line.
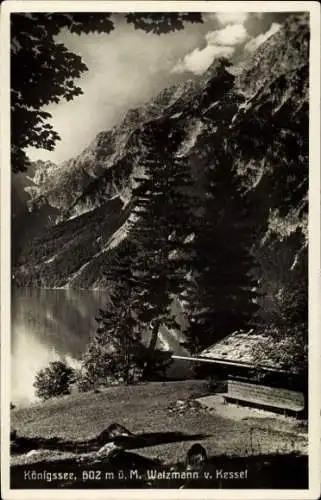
103, 371
98, 367
102, 367
55, 380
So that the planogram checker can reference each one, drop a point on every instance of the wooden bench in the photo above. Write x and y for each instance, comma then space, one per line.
255, 395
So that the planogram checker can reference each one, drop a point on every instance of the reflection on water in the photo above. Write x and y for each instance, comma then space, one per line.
48, 325
56, 324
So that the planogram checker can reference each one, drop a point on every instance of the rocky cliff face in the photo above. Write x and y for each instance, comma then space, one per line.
82, 206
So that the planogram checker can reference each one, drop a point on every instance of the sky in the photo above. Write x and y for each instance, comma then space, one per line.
128, 67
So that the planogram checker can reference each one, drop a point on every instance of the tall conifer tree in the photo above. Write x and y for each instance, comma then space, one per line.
221, 293
162, 221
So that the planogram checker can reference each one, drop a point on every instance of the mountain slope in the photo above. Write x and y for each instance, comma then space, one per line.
267, 134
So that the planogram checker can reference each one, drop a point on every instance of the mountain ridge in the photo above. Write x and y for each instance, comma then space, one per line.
90, 195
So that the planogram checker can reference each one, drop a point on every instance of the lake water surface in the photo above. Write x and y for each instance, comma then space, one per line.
54, 324
48, 325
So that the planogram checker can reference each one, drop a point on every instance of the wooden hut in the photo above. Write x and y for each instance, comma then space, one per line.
266, 384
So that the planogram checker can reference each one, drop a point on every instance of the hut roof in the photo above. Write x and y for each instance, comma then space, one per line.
251, 348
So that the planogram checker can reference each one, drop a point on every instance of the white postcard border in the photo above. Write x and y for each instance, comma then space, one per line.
313, 8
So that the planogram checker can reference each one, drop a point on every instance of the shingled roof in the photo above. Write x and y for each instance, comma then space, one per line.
251, 348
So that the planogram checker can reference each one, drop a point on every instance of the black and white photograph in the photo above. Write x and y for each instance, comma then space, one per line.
157, 283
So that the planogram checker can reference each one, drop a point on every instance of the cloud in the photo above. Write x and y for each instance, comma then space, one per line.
219, 43
127, 68
200, 59
254, 43
231, 17
232, 34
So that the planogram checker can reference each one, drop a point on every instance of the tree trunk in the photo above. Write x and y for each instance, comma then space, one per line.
151, 349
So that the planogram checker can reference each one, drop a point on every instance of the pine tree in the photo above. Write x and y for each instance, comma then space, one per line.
114, 352
162, 222
221, 293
